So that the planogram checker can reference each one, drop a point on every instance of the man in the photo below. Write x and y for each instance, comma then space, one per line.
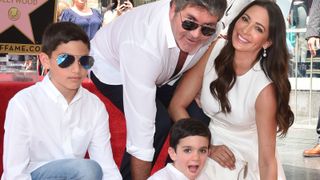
137, 62
313, 37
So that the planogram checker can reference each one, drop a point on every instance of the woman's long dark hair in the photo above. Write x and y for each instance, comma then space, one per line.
275, 66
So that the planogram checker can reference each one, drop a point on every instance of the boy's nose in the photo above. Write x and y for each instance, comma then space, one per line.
76, 66
196, 156
196, 33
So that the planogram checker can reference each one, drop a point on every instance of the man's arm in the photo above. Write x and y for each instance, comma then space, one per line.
313, 28
140, 170
139, 70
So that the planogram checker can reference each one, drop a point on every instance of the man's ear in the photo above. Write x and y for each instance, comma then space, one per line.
172, 153
172, 10
45, 60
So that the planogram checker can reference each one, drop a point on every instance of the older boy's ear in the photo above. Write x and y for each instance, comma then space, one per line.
45, 60
172, 153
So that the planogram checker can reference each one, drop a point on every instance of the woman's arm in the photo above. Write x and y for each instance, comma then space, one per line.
266, 108
188, 88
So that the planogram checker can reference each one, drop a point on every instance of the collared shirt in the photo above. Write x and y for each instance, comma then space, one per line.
138, 50
171, 173
41, 126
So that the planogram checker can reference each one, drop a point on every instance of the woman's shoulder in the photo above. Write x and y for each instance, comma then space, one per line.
96, 12
68, 14
67, 11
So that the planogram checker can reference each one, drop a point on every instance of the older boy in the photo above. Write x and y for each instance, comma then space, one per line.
189, 146
51, 125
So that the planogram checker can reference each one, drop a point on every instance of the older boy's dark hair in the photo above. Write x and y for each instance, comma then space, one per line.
62, 32
188, 127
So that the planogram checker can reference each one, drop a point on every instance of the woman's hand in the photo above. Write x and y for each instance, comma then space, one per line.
223, 155
124, 7
120, 9
128, 5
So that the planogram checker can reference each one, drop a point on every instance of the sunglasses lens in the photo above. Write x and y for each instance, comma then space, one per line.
86, 62
207, 31
65, 60
189, 25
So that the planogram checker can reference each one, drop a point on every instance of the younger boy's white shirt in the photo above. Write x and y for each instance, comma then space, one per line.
41, 127
171, 173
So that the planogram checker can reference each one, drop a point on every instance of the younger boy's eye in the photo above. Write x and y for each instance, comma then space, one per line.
187, 150
203, 151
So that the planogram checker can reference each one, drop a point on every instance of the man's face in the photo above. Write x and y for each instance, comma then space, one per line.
191, 40
190, 155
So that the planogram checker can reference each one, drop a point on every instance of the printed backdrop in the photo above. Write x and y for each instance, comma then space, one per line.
22, 23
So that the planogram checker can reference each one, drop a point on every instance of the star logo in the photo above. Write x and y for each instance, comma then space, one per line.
17, 13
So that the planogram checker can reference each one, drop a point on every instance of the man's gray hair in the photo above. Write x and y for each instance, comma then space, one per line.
215, 7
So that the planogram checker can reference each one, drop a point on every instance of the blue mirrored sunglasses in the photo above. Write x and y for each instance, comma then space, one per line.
65, 60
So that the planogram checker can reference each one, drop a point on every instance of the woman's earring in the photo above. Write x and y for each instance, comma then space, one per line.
264, 53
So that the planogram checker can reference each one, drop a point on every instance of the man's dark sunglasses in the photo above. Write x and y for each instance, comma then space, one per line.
65, 60
190, 25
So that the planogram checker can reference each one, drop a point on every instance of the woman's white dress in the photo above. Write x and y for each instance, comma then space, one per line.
237, 130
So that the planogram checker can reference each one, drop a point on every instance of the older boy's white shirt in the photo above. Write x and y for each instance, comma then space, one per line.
140, 56
171, 173
41, 126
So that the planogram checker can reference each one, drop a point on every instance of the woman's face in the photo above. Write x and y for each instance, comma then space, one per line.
251, 31
80, 2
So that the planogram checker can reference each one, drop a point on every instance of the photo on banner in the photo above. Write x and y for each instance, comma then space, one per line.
23, 23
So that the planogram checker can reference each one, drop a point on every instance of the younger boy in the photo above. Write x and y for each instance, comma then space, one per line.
51, 125
189, 146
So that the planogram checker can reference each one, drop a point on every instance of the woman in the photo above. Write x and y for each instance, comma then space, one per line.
90, 20
117, 9
245, 91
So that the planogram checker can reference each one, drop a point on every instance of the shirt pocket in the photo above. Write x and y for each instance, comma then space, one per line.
80, 139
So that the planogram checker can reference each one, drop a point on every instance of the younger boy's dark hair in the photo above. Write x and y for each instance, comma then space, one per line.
62, 32
188, 127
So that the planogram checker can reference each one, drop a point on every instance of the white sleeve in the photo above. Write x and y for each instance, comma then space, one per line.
139, 70
16, 144
100, 146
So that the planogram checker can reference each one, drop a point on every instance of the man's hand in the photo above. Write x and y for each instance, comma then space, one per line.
140, 170
313, 45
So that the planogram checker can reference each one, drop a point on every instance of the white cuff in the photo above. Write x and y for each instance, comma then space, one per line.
141, 153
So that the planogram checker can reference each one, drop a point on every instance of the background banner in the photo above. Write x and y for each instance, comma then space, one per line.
22, 24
